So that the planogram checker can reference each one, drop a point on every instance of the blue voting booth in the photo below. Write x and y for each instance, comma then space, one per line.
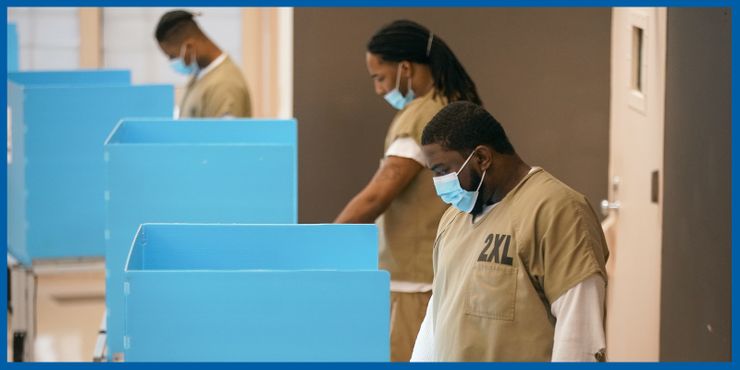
195, 171
12, 48
256, 293
93, 77
58, 124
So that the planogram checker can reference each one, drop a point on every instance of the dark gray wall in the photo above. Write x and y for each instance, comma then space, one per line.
696, 291
544, 73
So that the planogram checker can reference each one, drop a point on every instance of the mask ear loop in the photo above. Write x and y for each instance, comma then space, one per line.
481, 180
192, 56
398, 76
482, 177
183, 49
182, 52
466, 162
409, 87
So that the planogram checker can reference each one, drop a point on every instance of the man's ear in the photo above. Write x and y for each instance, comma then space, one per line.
188, 44
406, 68
484, 156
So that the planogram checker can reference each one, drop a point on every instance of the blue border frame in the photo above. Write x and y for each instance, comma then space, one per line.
412, 3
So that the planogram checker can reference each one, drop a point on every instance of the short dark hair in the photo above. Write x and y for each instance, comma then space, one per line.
407, 40
462, 126
173, 24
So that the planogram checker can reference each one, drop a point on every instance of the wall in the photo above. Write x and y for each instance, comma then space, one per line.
48, 38
696, 273
129, 43
544, 73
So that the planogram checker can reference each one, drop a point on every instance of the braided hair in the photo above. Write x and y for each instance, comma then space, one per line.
410, 41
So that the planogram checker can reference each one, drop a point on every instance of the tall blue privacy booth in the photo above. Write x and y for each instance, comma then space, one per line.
256, 293
59, 122
12, 48
196, 171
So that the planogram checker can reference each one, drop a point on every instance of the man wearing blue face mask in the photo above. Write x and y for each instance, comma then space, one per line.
519, 258
216, 87
417, 74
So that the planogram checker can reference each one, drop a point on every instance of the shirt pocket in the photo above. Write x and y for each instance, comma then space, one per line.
491, 292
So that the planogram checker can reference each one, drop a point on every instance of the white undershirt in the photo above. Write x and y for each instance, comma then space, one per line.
406, 147
579, 329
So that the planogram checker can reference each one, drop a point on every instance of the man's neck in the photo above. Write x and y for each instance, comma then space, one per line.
425, 82
209, 53
515, 171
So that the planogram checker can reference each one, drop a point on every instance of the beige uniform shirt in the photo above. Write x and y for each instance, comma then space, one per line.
495, 279
408, 227
221, 92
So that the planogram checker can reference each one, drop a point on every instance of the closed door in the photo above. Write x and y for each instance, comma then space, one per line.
634, 224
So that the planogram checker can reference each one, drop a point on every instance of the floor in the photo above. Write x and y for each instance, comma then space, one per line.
70, 307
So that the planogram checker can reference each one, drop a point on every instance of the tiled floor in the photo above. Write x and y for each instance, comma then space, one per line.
69, 309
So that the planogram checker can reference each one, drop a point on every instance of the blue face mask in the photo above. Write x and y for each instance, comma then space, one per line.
449, 189
395, 98
179, 66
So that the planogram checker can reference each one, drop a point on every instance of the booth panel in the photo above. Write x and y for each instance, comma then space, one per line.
257, 316
16, 181
93, 77
56, 183
205, 131
157, 172
266, 247
232, 293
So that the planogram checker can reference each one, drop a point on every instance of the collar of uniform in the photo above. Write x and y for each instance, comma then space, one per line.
210, 67
477, 221
419, 99
486, 210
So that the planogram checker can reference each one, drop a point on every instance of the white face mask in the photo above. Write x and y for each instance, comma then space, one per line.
395, 98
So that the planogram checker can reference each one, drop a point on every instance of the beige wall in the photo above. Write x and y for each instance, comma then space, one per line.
544, 73
91, 55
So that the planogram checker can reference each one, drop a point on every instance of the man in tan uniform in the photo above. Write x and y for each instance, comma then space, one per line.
216, 87
519, 259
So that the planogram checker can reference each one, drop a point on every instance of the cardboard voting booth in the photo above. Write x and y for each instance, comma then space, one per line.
256, 293
58, 124
192, 171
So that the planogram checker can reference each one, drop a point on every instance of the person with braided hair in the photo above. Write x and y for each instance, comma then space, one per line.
417, 74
